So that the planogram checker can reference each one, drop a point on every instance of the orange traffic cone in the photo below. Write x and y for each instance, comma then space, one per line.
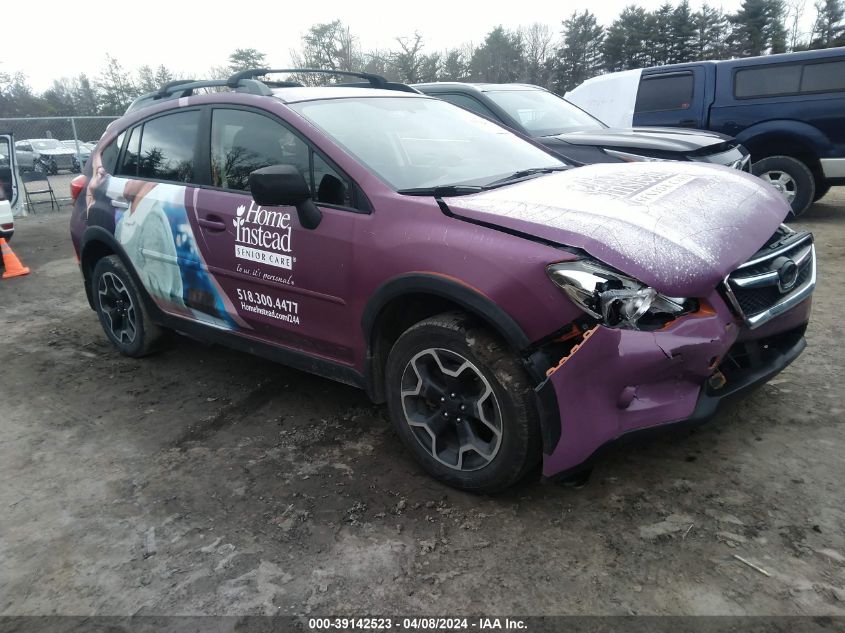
11, 263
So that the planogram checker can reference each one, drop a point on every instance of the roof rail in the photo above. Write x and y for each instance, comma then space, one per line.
244, 81
186, 87
376, 81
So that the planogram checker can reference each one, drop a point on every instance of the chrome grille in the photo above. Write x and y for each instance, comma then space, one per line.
775, 279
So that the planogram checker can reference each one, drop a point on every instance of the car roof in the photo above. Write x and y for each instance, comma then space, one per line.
296, 94
470, 86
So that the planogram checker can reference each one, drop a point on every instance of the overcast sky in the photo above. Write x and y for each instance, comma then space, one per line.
50, 39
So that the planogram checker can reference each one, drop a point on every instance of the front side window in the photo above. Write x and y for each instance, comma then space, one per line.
665, 92
412, 142
243, 141
543, 113
167, 147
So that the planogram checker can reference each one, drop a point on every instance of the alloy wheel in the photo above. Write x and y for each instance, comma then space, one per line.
783, 182
117, 306
451, 409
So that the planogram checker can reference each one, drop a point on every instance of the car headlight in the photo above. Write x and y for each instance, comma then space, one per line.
634, 158
614, 299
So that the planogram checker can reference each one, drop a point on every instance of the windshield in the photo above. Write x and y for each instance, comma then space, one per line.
46, 144
413, 143
543, 113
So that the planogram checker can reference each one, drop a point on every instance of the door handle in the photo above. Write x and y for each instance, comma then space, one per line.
688, 123
212, 223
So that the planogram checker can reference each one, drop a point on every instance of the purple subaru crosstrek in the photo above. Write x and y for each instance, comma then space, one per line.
507, 307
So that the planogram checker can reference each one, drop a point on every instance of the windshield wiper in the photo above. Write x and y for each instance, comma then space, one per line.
524, 173
442, 191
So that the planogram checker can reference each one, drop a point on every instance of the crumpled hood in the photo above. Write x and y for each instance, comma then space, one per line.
678, 140
678, 227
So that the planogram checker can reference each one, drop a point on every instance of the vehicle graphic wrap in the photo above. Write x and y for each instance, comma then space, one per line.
151, 221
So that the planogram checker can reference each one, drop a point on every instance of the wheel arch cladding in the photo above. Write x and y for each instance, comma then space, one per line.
401, 302
97, 243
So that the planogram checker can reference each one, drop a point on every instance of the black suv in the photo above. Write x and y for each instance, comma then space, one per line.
580, 137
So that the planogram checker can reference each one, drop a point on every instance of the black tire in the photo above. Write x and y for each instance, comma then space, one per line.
821, 191
112, 284
795, 177
506, 400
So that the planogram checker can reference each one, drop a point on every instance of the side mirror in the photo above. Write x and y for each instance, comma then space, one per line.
283, 185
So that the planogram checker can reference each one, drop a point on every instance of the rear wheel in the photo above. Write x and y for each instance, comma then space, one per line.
462, 404
791, 177
121, 310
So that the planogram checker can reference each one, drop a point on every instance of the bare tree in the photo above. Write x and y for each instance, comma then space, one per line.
794, 13
538, 48
329, 46
409, 60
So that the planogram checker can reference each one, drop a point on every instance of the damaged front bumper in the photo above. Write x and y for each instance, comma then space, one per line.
618, 383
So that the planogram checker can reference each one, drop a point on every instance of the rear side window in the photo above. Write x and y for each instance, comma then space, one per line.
767, 81
824, 77
167, 147
789, 79
467, 103
665, 92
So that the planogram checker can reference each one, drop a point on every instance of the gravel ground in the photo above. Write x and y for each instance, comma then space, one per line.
205, 481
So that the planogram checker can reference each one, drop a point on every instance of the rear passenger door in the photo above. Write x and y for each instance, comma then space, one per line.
289, 285
674, 99
149, 203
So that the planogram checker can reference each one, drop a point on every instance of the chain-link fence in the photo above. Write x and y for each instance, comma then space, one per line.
56, 148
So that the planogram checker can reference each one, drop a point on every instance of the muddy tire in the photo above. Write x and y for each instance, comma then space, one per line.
121, 309
462, 404
792, 178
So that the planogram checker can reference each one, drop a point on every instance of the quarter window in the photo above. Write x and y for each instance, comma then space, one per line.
108, 155
665, 92
243, 141
129, 163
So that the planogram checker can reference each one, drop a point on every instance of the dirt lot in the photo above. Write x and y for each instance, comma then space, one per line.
202, 480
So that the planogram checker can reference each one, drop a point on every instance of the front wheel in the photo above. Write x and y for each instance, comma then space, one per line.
462, 404
121, 310
791, 177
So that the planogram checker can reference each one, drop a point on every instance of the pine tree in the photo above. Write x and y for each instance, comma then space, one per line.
626, 44
712, 31
758, 28
116, 89
660, 35
580, 57
683, 33
499, 58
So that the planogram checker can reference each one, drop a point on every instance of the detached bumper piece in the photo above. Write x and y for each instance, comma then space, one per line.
618, 384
